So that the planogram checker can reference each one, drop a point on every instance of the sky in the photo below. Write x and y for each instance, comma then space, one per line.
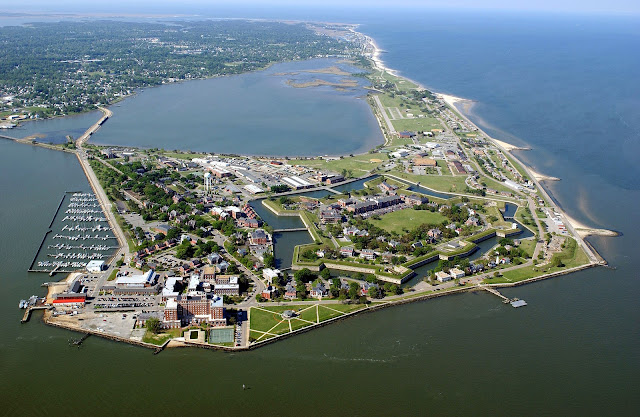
187, 6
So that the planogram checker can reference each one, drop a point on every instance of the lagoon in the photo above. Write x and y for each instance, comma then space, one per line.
255, 113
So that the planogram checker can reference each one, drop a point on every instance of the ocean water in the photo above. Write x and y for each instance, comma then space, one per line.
567, 87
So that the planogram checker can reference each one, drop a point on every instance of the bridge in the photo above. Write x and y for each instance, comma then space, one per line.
297, 229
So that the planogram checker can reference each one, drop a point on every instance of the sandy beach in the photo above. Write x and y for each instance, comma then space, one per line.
541, 177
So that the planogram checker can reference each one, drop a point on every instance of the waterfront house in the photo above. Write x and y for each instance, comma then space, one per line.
443, 276
368, 254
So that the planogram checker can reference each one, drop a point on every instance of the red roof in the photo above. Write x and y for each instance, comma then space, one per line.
68, 300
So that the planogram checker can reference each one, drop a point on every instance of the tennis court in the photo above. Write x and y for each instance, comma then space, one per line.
221, 335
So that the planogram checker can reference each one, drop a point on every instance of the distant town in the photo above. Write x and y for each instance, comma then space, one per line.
439, 208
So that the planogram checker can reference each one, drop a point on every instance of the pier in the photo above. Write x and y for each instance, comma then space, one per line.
515, 302
27, 312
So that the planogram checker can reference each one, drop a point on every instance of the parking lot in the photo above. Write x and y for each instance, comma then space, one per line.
118, 324
148, 302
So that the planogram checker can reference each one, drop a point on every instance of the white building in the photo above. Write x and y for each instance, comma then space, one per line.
168, 292
456, 273
270, 274
513, 185
443, 276
399, 153
96, 266
137, 281
253, 189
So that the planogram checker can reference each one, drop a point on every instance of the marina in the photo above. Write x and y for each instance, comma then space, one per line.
80, 219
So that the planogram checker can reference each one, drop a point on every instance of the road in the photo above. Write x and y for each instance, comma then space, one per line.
105, 204
258, 284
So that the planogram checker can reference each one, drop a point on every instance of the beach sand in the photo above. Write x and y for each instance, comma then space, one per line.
60, 286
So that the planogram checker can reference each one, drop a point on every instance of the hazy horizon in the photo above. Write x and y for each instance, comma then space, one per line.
627, 7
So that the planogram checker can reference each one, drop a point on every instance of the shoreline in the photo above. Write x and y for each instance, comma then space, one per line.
176, 343
579, 230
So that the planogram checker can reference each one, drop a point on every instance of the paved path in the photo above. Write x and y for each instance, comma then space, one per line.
392, 130
105, 204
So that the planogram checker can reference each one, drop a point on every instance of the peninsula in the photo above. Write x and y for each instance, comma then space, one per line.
440, 208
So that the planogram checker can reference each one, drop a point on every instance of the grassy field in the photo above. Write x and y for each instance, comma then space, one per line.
310, 314
358, 165
443, 183
113, 274
571, 256
271, 321
493, 211
528, 246
346, 308
416, 124
407, 219
326, 313
262, 320
155, 339
521, 274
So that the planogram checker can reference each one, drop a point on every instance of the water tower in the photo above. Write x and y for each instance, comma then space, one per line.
208, 183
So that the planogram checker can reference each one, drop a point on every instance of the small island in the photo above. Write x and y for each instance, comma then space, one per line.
440, 208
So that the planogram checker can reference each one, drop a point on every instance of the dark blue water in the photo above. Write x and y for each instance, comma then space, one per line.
509, 211
255, 113
275, 221
427, 191
55, 130
355, 185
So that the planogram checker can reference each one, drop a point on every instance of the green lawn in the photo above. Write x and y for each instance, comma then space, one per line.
493, 211
572, 255
346, 308
407, 219
113, 274
528, 246
156, 339
358, 165
416, 124
281, 328
280, 309
309, 314
263, 321
445, 183
326, 313
521, 274
257, 335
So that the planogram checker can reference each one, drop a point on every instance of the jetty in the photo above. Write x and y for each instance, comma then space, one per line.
27, 312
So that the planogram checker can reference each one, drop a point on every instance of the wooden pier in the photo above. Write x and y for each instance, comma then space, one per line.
515, 302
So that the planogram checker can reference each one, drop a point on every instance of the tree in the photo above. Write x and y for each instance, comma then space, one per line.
301, 289
304, 275
233, 268
354, 290
269, 260
259, 298
185, 250
153, 325
325, 274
